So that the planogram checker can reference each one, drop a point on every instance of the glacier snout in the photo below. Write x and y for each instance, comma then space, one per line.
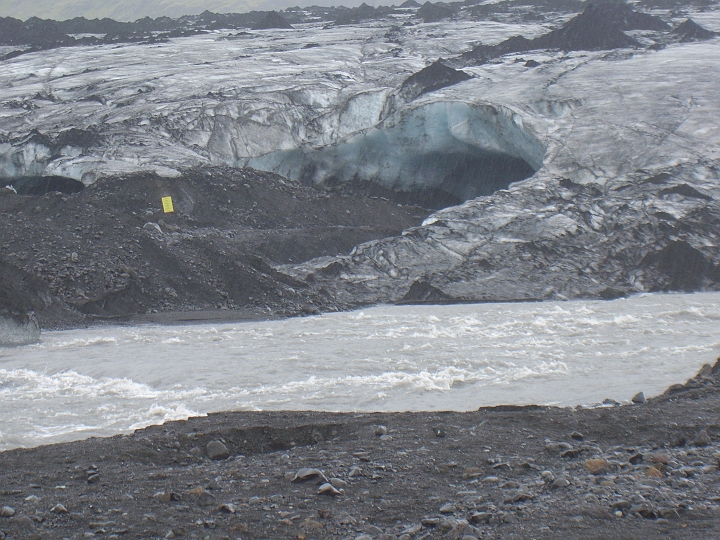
456, 150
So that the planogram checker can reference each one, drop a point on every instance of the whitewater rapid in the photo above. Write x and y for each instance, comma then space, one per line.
107, 380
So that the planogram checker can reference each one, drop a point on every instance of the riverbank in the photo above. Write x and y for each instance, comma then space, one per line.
642, 470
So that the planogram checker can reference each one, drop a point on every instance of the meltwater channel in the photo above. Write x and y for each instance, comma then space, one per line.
107, 380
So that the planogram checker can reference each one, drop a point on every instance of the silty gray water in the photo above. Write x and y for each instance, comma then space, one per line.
106, 380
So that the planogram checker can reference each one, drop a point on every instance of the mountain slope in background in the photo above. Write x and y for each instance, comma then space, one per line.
131, 10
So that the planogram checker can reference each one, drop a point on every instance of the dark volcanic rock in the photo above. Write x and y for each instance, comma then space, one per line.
621, 15
435, 76
22, 292
109, 251
358, 14
422, 292
273, 20
434, 12
692, 31
685, 190
681, 267
599, 27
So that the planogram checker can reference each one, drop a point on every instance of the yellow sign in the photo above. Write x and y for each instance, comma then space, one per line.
167, 205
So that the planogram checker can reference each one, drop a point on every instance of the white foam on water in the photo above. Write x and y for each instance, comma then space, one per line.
108, 380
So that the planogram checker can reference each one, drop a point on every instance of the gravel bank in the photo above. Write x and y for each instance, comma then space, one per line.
641, 470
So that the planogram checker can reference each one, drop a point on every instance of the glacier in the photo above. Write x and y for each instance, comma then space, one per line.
612, 158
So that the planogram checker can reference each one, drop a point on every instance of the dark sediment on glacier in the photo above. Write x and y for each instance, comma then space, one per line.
109, 252
499, 472
434, 77
272, 20
690, 31
434, 12
600, 26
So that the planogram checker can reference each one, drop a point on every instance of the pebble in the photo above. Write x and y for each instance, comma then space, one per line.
577, 436
472, 472
557, 447
217, 450
338, 483
702, 439
412, 529
381, 430
448, 509
328, 489
596, 466
439, 431
639, 398
167, 496
227, 508
7, 511
309, 474
205, 498
346, 519
59, 509
560, 482
480, 517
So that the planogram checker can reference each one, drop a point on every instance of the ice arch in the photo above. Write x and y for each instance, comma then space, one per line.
449, 151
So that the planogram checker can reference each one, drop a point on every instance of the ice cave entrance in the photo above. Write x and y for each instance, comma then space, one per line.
435, 155
40, 185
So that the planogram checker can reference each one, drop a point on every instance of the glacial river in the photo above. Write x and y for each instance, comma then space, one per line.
107, 380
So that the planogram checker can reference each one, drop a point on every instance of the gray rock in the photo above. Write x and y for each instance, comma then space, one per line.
555, 448
381, 430
217, 450
7, 511
59, 509
639, 398
448, 509
227, 508
480, 517
702, 439
328, 489
412, 529
338, 483
705, 371
205, 498
560, 483
346, 519
309, 474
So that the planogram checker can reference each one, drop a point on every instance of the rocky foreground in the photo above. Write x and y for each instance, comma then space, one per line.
643, 470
